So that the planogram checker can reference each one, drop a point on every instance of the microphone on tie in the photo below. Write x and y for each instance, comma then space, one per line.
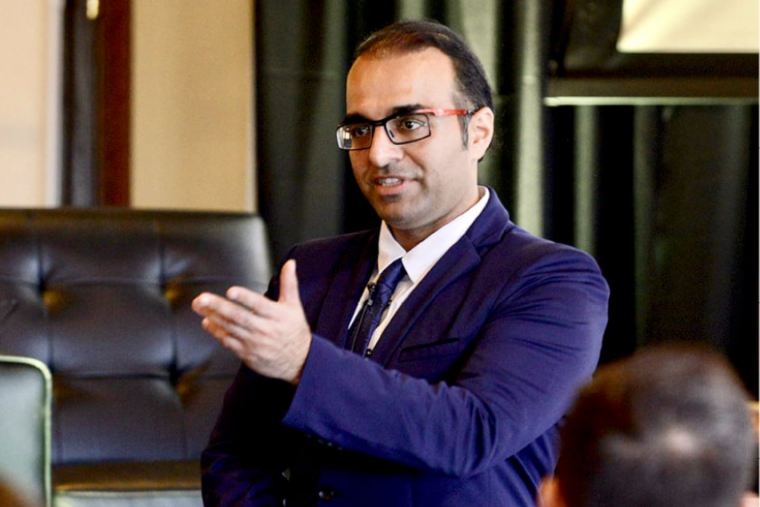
379, 298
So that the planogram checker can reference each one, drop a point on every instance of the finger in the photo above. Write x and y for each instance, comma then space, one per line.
289, 283
213, 327
251, 302
220, 334
246, 297
219, 326
225, 314
205, 303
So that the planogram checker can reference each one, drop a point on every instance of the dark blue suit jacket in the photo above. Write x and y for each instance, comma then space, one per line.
460, 401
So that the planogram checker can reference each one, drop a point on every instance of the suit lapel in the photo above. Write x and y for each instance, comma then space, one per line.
344, 291
461, 258
354, 270
458, 261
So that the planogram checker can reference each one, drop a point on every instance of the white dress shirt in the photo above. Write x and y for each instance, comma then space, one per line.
418, 261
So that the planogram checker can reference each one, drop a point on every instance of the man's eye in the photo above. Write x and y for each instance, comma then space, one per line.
359, 130
410, 122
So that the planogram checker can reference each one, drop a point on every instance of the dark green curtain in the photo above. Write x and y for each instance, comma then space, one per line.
664, 196
304, 50
673, 197
300, 69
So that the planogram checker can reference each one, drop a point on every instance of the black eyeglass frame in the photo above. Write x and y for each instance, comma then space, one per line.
384, 123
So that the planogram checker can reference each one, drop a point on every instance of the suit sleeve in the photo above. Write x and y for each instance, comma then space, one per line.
535, 341
238, 470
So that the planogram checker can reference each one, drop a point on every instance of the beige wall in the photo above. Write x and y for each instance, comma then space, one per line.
29, 102
192, 95
192, 92
689, 26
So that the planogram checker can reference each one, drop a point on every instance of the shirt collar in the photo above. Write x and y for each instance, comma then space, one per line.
420, 259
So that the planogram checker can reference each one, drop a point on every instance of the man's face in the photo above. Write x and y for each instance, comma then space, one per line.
418, 187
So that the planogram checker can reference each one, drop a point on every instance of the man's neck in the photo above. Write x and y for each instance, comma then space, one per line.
409, 238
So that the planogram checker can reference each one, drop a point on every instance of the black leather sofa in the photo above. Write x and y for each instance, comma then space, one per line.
102, 298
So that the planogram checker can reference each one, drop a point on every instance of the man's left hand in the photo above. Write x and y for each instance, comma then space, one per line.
271, 337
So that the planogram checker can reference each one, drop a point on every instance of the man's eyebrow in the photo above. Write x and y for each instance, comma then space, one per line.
359, 118
354, 118
407, 109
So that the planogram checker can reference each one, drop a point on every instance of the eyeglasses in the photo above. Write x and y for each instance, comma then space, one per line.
402, 128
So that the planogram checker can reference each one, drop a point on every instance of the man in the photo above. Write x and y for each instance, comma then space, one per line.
669, 427
454, 398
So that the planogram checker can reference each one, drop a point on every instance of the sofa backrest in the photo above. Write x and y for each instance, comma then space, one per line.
102, 297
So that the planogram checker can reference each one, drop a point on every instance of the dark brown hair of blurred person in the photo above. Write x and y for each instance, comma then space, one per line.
669, 426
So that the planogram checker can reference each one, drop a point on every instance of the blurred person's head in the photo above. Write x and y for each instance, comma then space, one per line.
668, 426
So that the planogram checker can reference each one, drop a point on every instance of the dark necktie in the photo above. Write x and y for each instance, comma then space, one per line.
380, 293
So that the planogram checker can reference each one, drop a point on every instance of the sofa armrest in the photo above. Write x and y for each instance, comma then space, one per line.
25, 405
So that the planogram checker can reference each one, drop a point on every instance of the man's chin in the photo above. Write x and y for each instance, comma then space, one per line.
390, 208
394, 220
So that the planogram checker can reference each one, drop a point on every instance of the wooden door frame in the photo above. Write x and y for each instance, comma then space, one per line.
96, 105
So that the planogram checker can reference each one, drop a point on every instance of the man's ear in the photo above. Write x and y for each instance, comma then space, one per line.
549, 494
481, 130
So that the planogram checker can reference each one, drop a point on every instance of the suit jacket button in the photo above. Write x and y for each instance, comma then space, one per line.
325, 494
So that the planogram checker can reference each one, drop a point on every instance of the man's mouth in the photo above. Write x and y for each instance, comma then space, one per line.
388, 181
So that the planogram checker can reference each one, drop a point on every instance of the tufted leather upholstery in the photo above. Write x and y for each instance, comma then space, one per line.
102, 297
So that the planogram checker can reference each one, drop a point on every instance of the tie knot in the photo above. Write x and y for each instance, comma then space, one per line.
391, 276
380, 294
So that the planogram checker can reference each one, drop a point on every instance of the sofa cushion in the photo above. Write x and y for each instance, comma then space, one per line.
102, 297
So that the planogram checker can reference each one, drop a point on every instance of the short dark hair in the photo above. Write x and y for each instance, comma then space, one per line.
410, 36
668, 426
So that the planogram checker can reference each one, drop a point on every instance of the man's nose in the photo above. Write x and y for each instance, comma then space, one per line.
383, 150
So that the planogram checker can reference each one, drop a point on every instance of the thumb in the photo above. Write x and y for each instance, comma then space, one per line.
289, 283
